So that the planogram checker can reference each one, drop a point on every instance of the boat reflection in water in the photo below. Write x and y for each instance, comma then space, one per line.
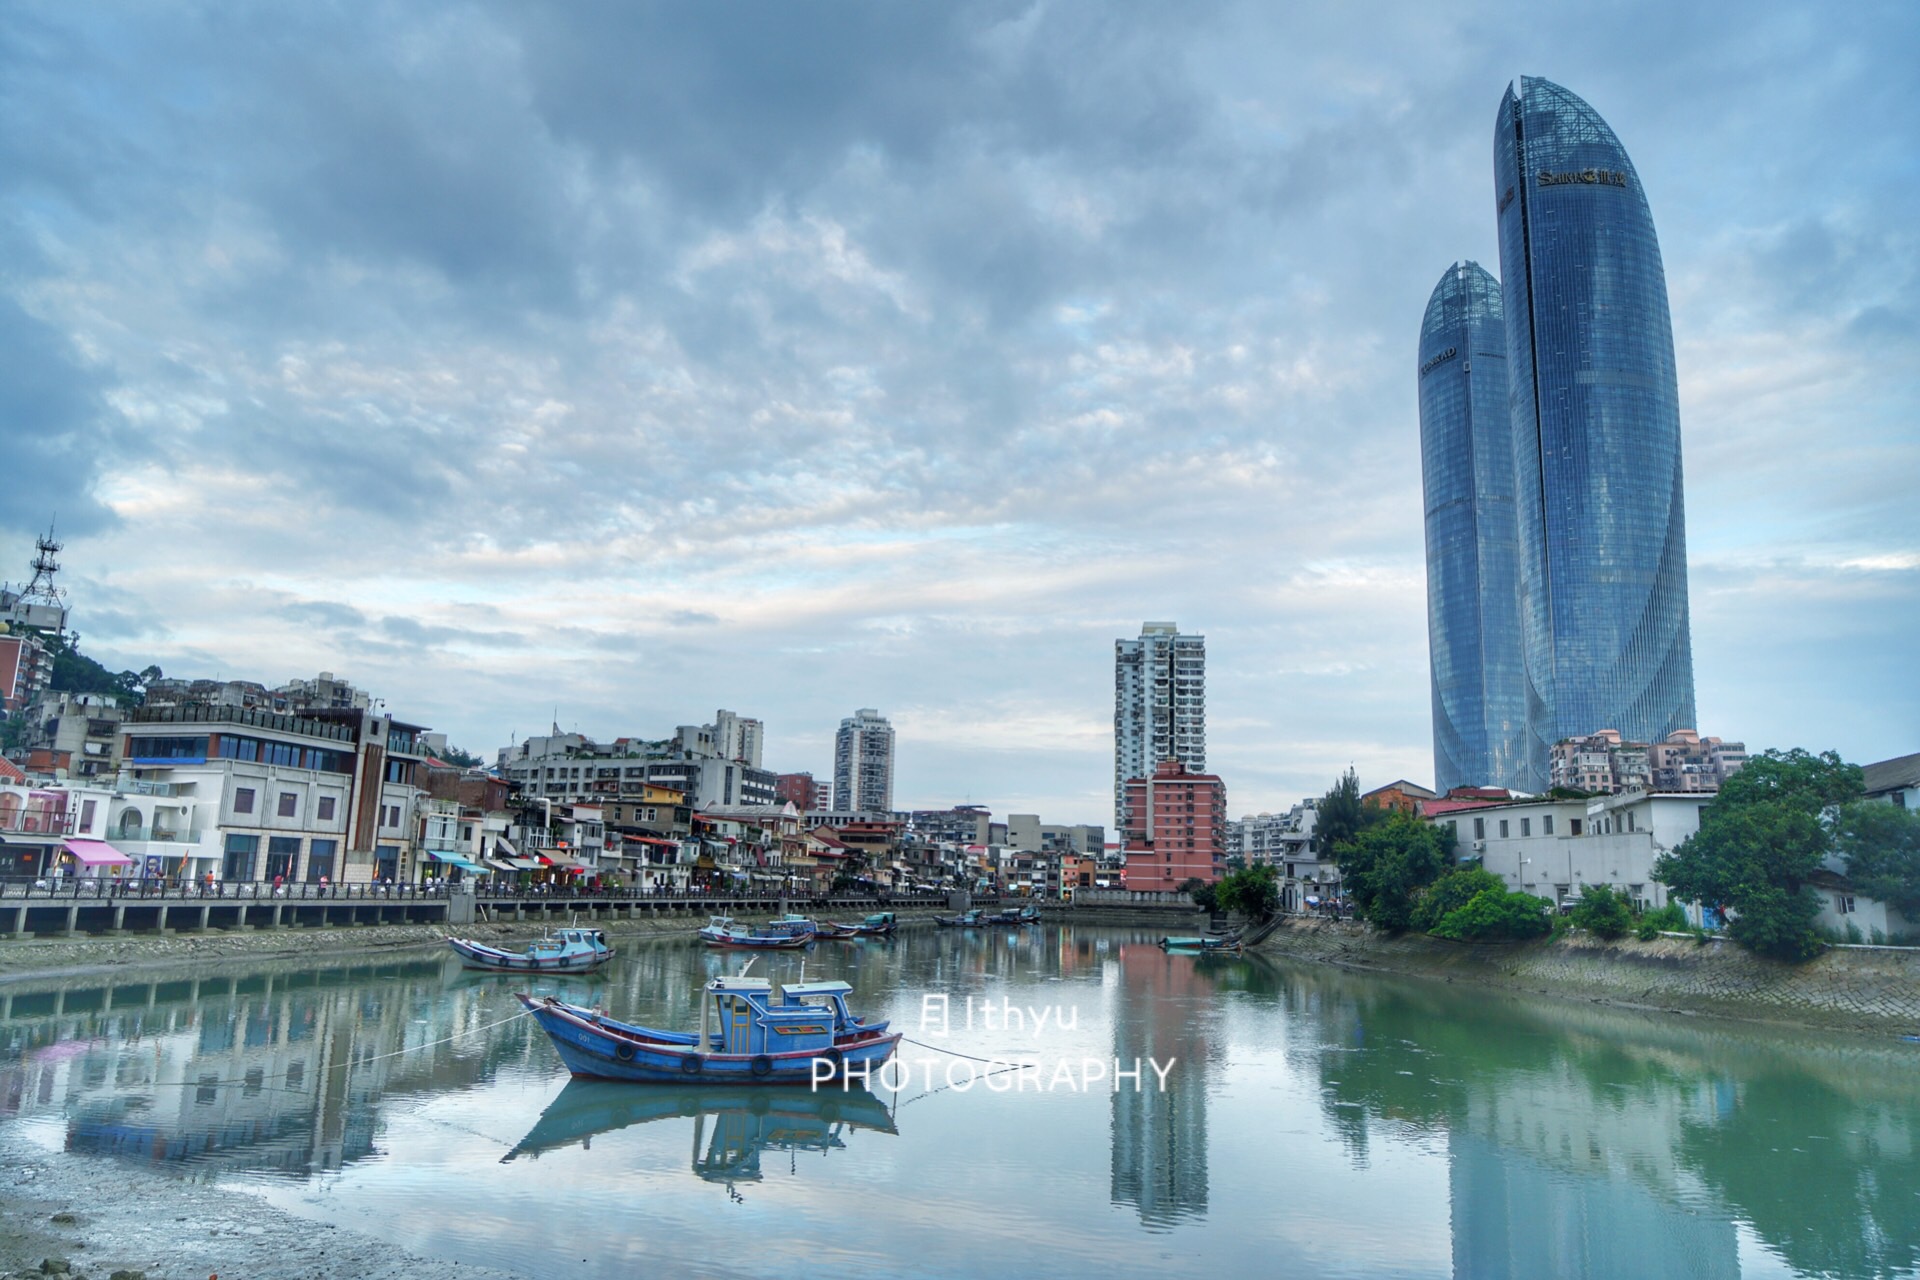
732, 1126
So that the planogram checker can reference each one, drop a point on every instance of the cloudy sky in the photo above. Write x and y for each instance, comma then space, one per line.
618, 362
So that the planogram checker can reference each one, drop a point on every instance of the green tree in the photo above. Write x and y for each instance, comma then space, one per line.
1495, 915
1881, 845
1602, 911
1253, 892
1340, 817
1454, 889
465, 759
1205, 894
1759, 840
1388, 862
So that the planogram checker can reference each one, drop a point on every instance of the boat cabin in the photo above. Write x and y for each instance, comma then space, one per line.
570, 940
754, 1015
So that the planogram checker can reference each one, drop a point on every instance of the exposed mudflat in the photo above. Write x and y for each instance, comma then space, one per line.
102, 1216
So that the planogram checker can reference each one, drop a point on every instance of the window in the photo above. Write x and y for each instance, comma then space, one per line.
1503, 828
86, 814
1546, 825
1843, 903
1629, 819
240, 854
282, 853
1479, 828
1526, 826
320, 860
289, 804
325, 809
1574, 824
243, 800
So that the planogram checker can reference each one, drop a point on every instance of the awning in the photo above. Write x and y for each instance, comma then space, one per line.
560, 862
454, 859
671, 844
499, 864
96, 853
522, 864
504, 847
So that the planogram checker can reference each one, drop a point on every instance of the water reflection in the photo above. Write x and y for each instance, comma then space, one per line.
1469, 1132
277, 1072
732, 1126
1599, 1142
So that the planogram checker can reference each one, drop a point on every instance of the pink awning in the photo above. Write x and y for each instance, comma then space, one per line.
97, 853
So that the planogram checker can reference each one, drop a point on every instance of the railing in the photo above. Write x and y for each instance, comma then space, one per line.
50, 824
153, 835
139, 887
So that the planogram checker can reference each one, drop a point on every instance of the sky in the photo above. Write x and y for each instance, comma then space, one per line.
607, 364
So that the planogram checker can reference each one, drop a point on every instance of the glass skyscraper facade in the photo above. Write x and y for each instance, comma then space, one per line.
1473, 554
1596, 429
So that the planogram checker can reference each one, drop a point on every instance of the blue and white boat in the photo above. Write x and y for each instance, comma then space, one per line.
568, 951
722, 932
752, 1031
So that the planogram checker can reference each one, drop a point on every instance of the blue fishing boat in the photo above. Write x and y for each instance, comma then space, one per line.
974, 919
752, 1031
568, 951
723, 933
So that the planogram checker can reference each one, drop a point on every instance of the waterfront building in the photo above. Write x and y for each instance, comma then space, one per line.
574, 768
1554, 848
1476, 658
1159, 706
962, 824
1596, 429
79, 731
739, 738
863, 762
1178, 828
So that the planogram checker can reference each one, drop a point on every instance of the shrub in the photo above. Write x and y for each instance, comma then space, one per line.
1603, 912
1668, 919
1496, 915
1451, 891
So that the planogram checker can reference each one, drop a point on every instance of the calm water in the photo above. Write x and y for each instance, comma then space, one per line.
1312, 1122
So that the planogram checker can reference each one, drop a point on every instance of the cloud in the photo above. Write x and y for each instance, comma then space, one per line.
801, 358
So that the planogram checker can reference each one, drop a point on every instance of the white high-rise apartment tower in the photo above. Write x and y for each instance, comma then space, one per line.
1159, 706
737, 737
863, 764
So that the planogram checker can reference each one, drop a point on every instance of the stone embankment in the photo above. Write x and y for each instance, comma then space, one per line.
1873, 990
54, 957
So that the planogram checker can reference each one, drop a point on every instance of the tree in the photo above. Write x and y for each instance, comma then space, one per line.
1340, 817
465, 759
1253, 892
1603, 912
1881, 845
1495, 915
1388, 862
1204, 894
1451, 891
1759, 840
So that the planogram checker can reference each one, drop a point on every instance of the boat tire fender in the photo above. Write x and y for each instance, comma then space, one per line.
623, 1051
761, 1066
835, 1059
690, 1064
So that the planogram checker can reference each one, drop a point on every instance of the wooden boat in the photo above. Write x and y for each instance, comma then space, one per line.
879, 925
744, 1122
974, 919
722, 933
567, 951
752, 1031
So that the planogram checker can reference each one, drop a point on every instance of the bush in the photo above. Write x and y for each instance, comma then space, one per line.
1253, 892
1495, 915
1203, 894
1603, 912
1449, 893
1668, 919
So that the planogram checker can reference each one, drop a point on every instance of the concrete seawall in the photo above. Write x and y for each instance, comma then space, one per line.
1872, 990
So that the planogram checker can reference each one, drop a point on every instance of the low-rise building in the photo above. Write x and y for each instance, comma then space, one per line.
1604, 763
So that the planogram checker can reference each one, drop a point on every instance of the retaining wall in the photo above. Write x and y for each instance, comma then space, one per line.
1869, 989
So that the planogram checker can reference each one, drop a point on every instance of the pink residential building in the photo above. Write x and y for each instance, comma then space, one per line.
1176, 828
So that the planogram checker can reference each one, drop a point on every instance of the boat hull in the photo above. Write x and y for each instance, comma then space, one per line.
591, 1049
473, 955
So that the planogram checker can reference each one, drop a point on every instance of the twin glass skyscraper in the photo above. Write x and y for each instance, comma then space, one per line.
1572, 550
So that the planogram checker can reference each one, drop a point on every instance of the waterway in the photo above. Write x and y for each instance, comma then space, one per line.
1309, 1121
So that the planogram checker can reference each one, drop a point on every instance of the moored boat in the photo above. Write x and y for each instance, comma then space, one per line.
752, 1031
879, 925
567, 951
974, 919
723, 933
1218, 943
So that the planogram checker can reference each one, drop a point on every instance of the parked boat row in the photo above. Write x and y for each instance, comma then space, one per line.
978, 919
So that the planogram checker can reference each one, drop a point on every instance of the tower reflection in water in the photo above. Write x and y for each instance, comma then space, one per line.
1159, 1158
